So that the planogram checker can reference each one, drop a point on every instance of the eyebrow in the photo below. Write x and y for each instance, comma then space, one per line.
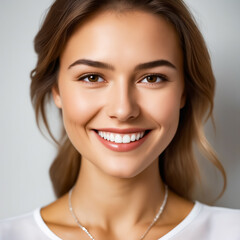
141, 66
157, 63
92, 63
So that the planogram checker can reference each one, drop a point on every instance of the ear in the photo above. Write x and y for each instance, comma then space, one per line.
56, 96
183, 100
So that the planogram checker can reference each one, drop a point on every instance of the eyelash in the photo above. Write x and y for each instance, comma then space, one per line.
161, 76
81, 78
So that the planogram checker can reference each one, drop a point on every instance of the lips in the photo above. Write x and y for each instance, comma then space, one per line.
122, 140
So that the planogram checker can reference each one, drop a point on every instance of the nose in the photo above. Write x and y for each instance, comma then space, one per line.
122, 103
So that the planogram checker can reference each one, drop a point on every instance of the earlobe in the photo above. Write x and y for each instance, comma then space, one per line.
183, 100
56, 96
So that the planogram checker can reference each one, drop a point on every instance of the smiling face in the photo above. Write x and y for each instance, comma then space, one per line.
121, 78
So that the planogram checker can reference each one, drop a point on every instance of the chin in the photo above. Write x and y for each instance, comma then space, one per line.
123, 171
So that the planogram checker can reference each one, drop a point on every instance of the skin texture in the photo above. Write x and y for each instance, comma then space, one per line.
119, 190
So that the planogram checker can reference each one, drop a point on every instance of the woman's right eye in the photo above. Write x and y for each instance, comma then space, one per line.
91, 78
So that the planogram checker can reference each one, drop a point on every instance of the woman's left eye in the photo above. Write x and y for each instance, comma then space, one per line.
91, 78
153, 79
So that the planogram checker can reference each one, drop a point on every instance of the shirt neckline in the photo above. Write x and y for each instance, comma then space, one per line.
43, 226
185, 222
182, 225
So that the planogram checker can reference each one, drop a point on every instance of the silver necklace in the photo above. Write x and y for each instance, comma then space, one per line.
145, 233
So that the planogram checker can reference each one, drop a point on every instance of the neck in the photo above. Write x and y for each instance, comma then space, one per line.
102, 199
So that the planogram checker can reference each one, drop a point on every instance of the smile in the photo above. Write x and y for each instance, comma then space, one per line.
122, 140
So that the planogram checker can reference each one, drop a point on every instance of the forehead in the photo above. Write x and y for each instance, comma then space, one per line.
125, 35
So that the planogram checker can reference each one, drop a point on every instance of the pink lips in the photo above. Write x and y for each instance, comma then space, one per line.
121, 147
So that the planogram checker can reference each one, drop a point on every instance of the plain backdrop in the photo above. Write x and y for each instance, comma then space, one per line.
25, 155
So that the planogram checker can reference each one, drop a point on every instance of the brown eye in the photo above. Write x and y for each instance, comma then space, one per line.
154, 79
151, 78
91, 78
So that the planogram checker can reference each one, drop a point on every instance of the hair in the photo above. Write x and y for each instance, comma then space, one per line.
178, 166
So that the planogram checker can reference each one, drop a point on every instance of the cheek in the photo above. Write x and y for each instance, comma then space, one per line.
164, 108
78, 108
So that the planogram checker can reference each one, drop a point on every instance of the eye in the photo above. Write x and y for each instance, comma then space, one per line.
91, 78
154, 79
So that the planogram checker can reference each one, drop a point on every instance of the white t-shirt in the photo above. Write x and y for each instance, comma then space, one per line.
202, 223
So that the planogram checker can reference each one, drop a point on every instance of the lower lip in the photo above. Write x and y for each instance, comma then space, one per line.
121, 147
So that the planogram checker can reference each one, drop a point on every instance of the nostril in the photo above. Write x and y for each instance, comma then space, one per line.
123, 112
122, 104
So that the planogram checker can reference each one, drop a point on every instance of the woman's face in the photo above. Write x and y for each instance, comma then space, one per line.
121, 78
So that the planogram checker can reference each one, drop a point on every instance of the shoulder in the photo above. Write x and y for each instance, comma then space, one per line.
220, 222
208, 223
24, 227
220, 214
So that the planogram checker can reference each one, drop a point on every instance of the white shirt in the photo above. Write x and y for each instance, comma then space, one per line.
202, 223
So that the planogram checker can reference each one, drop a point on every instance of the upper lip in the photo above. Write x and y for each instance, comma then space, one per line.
119, 130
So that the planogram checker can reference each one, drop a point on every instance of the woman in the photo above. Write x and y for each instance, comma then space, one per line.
133, 83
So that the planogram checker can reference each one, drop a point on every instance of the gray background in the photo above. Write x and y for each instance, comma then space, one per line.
25, 155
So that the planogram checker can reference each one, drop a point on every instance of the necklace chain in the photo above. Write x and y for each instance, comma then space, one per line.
144, 234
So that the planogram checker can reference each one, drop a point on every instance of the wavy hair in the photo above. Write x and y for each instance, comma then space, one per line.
178, 167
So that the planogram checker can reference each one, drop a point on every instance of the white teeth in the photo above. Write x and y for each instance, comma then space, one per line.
118, 139
133, 138
126, 139
138, 136
121, 138
112, 137
105, 135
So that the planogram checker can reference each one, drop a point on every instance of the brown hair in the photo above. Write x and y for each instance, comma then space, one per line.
177, 163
